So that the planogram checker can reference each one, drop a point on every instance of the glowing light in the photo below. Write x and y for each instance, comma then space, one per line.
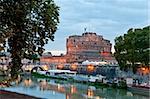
60, 66
28, 82
60, 88
74, 67
90, 93
73, 89
44, 83
143, 69
45, 67
90, 68
67, 96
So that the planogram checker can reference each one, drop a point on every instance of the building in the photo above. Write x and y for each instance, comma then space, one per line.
53, 59
88, 46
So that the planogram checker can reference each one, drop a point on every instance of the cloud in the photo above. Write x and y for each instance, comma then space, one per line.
109, 18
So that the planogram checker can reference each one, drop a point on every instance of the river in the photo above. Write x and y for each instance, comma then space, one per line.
58, 89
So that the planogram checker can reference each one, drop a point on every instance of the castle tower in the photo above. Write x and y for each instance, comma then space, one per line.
89, 46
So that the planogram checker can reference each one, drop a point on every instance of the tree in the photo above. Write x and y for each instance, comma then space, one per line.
34, 58
27, 25
132, 48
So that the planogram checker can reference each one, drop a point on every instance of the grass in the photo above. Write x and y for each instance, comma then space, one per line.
39, 75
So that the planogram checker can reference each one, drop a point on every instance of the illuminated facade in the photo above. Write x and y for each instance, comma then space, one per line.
53, 59
88, 46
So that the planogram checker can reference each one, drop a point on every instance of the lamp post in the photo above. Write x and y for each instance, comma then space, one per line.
90, 68
74, 67
60, 66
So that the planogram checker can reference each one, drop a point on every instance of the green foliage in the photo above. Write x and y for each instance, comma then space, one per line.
133, 47
122, 85
34, 57
27, 25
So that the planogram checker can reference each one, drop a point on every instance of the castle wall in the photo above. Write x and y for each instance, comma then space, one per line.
88, 46
53, 59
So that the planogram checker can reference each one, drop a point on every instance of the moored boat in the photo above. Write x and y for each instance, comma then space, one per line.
97, 78
61, 74
138, 89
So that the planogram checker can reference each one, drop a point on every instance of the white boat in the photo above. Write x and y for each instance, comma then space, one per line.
67, 74
96, 78
62, 74
87, 78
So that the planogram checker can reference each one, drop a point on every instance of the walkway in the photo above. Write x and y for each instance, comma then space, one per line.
13, 95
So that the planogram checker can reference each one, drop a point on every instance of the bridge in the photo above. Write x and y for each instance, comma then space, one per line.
107, 70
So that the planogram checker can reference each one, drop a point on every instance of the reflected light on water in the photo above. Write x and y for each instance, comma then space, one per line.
73, 89
129, 94
58, 87
52, 89
45, 67
67, 96
27, 82
18, 79
43, 85
90, 93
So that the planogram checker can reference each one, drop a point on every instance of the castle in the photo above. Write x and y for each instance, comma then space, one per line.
88, 46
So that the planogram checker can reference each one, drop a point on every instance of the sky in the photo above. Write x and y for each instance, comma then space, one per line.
109, 18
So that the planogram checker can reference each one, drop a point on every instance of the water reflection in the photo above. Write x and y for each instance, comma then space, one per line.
58, 89
73, 89
28, 82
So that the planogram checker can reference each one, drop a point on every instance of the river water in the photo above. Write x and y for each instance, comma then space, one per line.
58, 89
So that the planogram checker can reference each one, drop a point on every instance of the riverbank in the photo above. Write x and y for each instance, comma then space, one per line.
9, 95
122, 85
60, 89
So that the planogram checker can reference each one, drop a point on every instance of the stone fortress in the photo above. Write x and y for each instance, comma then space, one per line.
88, 46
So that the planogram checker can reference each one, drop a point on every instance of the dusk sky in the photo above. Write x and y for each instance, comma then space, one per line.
109, 18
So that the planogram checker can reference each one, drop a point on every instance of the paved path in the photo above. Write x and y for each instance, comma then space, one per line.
13, 95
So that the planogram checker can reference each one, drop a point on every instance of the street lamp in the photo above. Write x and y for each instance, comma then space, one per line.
60, 66
90, 68
74, 67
